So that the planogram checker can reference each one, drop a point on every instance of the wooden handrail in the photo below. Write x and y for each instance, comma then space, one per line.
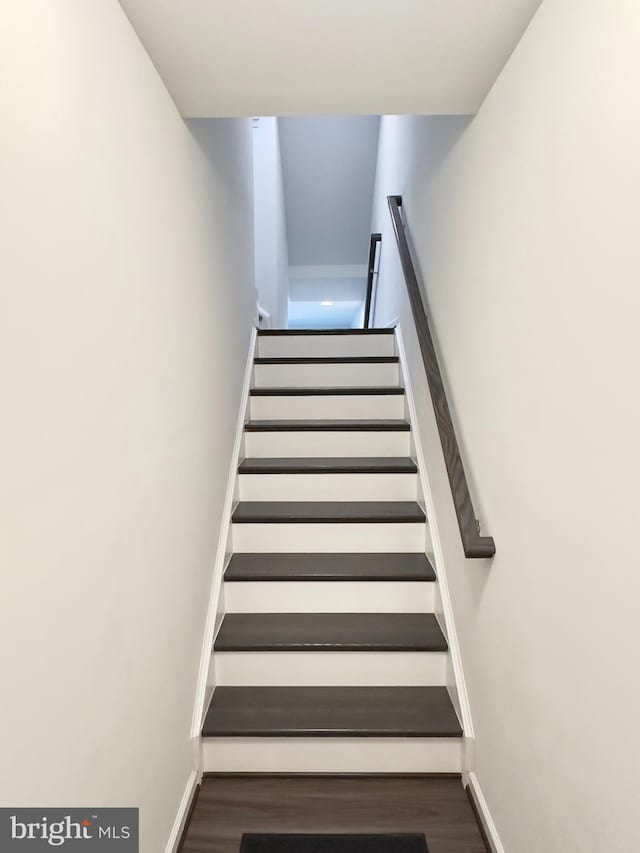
473, 543
373, 245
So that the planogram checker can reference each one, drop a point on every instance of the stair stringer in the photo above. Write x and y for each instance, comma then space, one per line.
456, 685
215, 609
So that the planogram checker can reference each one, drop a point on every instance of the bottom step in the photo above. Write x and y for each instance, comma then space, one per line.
331, 755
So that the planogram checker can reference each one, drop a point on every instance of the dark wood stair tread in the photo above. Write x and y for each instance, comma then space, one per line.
330, 632
270, 333
329, 465
301, 512
329, 567
331, 712
327, 425
332, 391
330, 359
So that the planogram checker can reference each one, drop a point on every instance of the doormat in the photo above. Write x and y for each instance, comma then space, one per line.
254, 843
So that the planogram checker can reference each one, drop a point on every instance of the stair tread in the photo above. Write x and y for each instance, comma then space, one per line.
331, 712
408, 632
328, 425
266, 333
329, 567
329, 465
329, 359
329, 391
300, 512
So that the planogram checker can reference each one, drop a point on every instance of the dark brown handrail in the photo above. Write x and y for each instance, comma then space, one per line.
373, 244
473, 543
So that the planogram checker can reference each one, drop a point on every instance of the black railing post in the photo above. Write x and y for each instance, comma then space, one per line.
373, 244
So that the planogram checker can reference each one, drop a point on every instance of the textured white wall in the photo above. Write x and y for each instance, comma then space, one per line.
525, 225
271, 253
126, 301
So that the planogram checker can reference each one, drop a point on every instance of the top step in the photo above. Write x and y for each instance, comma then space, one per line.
325, 343
266, 333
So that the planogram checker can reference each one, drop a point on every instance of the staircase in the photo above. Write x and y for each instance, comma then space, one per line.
329, 657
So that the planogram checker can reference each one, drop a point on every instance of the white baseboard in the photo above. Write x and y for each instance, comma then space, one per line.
484, 813
461, 700
221, 553
183, 811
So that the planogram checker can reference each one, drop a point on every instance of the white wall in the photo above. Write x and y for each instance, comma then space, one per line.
328, 166
271, 254
525, 226
336, 283
126, 301
329, 297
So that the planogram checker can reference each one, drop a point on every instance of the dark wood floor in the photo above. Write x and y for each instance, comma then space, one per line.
230, 805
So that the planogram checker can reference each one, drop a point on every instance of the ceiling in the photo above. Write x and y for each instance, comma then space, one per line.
297, 57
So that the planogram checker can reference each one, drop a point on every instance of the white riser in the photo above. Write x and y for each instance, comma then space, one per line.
324, 346
332, 755
327, 669
314, 375
329, 597
349, 407
277, 444
328, 487
331, 537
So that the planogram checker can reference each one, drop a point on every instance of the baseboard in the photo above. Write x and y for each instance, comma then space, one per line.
221, 555
461, 699
438, 553
483, 815
185, 810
